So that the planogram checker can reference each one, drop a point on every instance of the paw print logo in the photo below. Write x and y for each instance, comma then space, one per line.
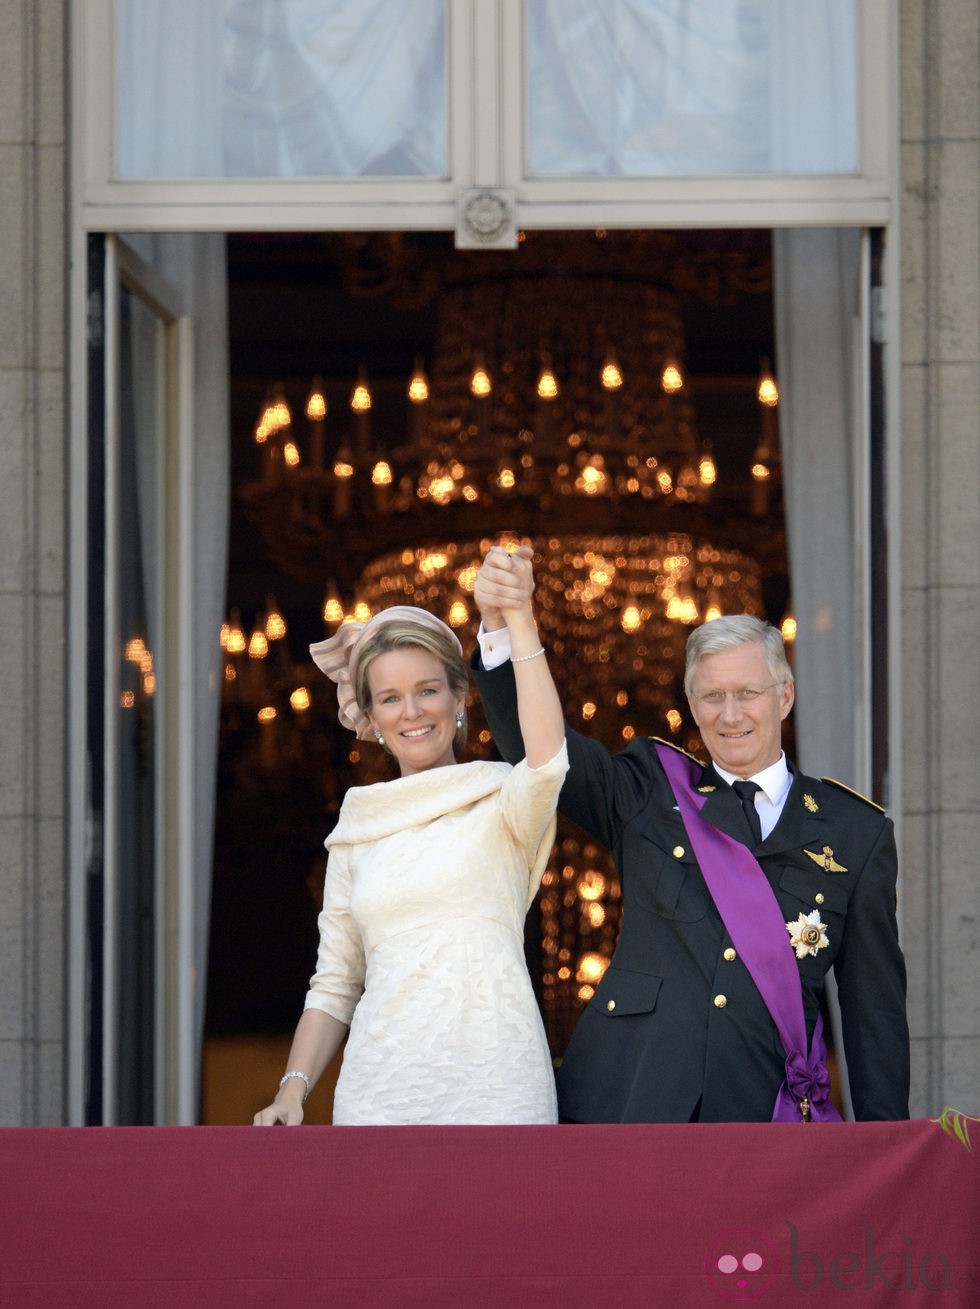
740, 1264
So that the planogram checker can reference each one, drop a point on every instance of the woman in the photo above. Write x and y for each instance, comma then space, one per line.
428, 882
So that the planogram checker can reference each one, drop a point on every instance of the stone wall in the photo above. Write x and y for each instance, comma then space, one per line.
940, 638
32, 560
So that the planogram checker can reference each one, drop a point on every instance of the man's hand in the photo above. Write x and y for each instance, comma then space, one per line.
504, 581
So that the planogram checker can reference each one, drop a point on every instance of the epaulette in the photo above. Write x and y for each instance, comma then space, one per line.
680, 750
830, 781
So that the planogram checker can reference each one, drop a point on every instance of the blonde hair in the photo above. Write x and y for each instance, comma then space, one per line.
402, 633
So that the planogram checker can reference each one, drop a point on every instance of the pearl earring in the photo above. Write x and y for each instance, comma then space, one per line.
459, 719
378, 737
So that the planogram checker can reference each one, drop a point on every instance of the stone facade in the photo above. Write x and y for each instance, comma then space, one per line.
940, 618
939, 633
33, 446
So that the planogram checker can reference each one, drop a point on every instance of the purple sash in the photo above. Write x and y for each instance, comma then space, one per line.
751, 913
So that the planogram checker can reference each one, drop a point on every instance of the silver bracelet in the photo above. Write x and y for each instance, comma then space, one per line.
296, 1073
520, 659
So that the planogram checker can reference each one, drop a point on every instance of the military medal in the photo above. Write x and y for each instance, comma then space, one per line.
808, 934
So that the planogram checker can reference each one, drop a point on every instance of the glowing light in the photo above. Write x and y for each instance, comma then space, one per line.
547, 387
682, 609
316, 405
707, 471
592, 885
275, 625
612, 378
333, 610
631, 619
267, 714
360, 400
381, 474
760, 472
480, 384
258, 647
674, 720
788, 628
290, 453
588, 710
670, 378
768, 391
458, 614
300, 700
235, 644
591, 967
418, 386
343, 469
433, 562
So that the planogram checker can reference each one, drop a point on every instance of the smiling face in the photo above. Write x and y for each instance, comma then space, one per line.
742, 737
413, 708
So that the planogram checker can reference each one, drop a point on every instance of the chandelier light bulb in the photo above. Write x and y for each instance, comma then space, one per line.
275, 624
418, 386
671, 379
480, 384
547, 387
316, 402
768, 391
707, 470
612, 378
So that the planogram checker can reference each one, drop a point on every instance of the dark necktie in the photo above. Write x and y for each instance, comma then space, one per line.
746, 793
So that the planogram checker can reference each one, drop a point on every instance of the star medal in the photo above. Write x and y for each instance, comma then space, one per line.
808, 934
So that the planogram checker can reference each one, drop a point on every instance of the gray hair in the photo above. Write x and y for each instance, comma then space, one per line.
397, 635
728, 633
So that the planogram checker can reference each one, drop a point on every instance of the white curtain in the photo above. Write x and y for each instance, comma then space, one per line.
820, 367
195, 265
691, 87
281, 88
818, 354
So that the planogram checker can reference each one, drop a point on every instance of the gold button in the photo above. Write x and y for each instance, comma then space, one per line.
818, 898
729, 954
721, 1001
678, 852
610, 1005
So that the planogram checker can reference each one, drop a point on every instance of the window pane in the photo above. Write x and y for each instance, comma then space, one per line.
281, 88
682, 88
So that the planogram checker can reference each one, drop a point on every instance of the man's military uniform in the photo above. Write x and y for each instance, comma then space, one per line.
677, 1029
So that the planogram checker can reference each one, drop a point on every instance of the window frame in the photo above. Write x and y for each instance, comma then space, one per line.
486, 149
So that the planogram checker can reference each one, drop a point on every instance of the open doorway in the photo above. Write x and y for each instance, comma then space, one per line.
666, 466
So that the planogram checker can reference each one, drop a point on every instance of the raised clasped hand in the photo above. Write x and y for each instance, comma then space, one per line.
505, 580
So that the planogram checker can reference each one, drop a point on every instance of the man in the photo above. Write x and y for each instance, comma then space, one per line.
678, 1029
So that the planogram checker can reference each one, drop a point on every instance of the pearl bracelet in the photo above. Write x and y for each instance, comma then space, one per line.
296, 1073
520, 659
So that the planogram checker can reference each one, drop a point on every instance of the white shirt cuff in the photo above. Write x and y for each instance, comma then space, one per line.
494, 647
